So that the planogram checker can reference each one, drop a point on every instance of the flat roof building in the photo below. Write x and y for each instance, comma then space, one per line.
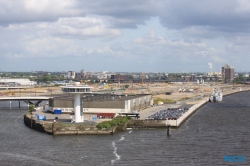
102, 103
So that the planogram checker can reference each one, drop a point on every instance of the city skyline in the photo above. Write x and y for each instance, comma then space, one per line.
126, 36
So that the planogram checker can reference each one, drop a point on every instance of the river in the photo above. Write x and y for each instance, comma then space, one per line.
214, 131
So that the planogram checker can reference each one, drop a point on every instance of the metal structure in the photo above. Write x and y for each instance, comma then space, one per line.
29, 100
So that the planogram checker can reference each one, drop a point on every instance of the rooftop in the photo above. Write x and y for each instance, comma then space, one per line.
101, 97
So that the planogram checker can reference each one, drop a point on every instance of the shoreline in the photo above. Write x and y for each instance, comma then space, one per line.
51, 128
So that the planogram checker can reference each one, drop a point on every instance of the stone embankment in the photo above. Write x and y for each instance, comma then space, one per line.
164, 123
233, 90
58, 128
176, 123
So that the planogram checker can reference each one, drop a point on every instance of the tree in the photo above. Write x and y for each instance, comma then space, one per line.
46, 78
31, 108
4, 75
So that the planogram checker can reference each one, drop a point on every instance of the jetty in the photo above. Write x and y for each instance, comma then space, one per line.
53, 126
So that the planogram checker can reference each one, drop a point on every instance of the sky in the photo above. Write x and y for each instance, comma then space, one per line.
124, 35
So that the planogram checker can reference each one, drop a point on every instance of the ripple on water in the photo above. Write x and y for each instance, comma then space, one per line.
215, 130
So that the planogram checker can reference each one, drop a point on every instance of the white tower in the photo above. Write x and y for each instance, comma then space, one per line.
77, 89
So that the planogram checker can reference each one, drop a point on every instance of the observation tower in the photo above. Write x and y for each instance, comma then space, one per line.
77, 89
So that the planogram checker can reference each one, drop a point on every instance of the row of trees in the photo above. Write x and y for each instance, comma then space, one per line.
241, 79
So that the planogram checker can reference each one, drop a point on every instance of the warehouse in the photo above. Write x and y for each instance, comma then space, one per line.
102, 103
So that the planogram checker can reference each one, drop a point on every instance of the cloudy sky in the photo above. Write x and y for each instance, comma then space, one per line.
124, 35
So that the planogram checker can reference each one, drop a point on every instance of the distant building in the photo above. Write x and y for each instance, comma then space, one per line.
83, 74
227, 73
17, 82
246, 75
71, 74
119, 78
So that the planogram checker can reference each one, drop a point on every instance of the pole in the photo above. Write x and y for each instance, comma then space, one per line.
10, 104
168, 129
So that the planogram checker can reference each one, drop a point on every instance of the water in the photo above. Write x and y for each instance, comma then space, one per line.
14, 104
216, 130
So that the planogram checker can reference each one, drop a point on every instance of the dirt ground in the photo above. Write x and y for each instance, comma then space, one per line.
157, 90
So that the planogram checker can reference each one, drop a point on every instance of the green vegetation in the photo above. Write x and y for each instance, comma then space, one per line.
31, 108
239, 79
126, 86
165, 101
185, 98
114, 122
46, 78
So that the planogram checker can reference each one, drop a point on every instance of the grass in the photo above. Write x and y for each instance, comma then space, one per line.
185, 98
114, 122
165, 101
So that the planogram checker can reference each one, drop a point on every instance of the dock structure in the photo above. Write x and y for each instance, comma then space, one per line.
169, 122
176, 122
191, 110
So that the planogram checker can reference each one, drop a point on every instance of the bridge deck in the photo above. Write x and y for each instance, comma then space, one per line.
25, 98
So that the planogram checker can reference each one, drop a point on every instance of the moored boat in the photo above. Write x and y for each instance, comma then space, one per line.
216, 95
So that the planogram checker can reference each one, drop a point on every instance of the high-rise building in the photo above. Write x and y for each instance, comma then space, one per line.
227, 73
71, 74
83, 73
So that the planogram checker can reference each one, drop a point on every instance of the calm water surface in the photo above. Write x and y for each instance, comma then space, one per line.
215, 130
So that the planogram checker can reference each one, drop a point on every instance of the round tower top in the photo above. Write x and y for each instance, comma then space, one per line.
77, 88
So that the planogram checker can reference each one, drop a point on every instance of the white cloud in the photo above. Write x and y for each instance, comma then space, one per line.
80, 27
188, 33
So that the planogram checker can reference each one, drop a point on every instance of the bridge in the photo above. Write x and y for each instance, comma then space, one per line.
28, 100
14, 87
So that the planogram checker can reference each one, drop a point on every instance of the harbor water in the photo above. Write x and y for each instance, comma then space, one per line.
214, 131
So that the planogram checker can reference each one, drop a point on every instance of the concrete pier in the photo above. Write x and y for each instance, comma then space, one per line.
179, 121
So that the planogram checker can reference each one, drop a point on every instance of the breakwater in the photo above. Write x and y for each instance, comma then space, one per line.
58, 128
177, 122
163, 123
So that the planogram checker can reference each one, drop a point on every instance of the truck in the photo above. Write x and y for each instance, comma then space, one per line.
107, 115
135, 115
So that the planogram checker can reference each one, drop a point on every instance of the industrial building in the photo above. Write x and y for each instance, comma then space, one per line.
102, 103
16, 82
227, 73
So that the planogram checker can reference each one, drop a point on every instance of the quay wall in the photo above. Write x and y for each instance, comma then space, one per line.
236, 90
163, 123
55, 128
178, 122
190, 111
